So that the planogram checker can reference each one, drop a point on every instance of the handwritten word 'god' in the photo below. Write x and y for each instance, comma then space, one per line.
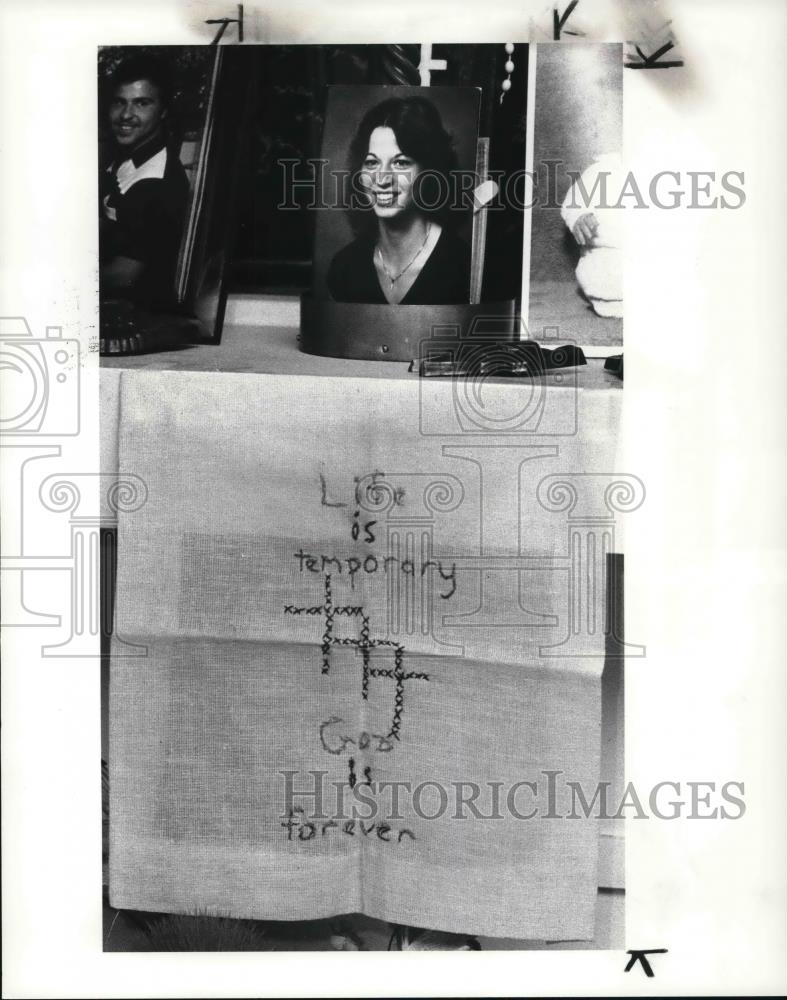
335, 743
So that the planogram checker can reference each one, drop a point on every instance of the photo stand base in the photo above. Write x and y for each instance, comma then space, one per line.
382, 332
126, 328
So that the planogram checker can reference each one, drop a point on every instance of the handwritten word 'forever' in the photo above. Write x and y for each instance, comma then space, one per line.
307, 830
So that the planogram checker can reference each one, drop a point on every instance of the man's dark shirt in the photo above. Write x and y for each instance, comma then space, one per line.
144, 199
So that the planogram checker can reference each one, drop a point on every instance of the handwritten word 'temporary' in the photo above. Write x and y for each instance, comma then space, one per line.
372, 564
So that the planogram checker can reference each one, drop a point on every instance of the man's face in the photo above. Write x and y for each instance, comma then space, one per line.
135, 113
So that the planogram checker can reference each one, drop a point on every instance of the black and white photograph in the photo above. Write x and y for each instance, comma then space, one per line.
575, 280
270, 174
343, 603
404, 238
171, 138
353, 601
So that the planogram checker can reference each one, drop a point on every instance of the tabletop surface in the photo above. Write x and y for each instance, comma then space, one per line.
274, 350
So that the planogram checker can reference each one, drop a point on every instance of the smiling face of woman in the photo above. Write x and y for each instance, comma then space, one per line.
388, 175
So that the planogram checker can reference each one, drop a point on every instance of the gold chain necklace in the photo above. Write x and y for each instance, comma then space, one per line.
394, 278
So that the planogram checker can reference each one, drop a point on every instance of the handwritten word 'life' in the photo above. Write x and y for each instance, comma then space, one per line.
373, 564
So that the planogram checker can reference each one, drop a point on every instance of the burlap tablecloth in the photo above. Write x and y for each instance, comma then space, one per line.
337, 582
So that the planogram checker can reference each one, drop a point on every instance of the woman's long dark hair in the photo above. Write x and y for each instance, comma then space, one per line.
420, 134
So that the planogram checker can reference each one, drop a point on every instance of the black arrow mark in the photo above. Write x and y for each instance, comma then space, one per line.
641, 955
652, 61
558, 20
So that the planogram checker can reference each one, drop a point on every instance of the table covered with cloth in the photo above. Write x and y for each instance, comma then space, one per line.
357, 647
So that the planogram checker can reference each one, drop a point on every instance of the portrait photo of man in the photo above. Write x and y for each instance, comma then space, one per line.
144, 190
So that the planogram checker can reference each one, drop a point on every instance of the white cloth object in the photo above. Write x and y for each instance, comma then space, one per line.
242, 472
599, 272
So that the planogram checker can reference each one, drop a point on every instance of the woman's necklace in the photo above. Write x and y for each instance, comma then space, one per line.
394, 278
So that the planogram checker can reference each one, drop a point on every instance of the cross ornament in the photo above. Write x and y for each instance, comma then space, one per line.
427, 64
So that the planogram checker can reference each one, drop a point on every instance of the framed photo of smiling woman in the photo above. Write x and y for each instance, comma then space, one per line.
398, 170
